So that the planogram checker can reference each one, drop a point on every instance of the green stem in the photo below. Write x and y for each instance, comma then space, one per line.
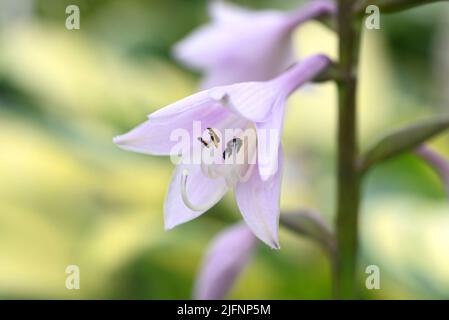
348, 185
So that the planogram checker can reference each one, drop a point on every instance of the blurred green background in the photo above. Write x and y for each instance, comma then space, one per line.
68, 195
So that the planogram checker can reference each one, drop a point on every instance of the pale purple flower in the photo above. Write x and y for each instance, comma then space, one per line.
437, 162
251, 107
225, 259
243, 45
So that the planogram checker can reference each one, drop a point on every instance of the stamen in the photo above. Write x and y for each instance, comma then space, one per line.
204, 143
214, 199
233, 145
226, 153
214, 137
237, 144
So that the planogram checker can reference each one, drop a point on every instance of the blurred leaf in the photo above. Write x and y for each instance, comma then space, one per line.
392, 5
436, 161
65, 201
78, 77
403, 140
408, 239
311, 225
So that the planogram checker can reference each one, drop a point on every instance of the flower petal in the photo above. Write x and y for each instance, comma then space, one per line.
261, 50
272, 59
226, 12
258, 202
301, 73
201, 191
199, 50
251, 100
225, 259
155, 135
268, 141
255, 101
189, 103
151, 137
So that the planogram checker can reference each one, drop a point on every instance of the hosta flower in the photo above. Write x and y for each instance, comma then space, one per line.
225, 259
243, 45
233, 143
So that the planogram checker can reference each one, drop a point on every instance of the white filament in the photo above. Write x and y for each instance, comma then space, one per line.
212, 200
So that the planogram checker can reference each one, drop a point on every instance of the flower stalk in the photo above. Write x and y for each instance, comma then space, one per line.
348, 179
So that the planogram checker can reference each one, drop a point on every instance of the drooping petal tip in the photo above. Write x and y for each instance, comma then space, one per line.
275, 246
124, 142
224, 261
149, 138
259, 203
116, 140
